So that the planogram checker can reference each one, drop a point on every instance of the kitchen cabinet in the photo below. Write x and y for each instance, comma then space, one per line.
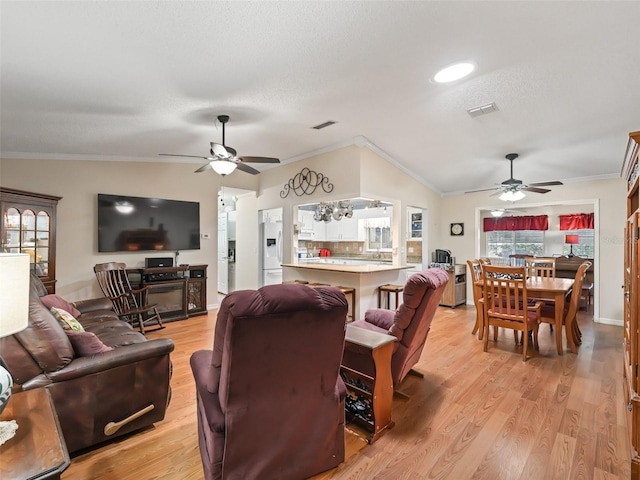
631, 288
29, 226
306, 226
416, 225
345, 230
455, 292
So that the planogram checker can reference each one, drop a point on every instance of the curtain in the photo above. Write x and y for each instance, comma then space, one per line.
576, 221
531, 222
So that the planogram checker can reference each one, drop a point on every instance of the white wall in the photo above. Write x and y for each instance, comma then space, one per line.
610, 195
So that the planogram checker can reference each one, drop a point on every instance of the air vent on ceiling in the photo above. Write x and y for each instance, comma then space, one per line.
482, 110
324, 125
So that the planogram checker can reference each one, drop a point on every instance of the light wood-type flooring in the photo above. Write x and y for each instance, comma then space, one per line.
474, 415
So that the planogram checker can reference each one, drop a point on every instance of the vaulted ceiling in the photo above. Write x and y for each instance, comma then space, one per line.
129, 80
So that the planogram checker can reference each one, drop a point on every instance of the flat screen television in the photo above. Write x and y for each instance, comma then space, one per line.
130, 224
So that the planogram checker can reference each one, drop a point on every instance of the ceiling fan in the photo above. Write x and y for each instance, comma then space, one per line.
224, 160
512, 190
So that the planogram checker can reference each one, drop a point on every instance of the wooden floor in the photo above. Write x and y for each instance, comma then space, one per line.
474, 415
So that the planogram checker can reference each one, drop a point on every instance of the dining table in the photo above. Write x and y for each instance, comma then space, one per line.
549, 288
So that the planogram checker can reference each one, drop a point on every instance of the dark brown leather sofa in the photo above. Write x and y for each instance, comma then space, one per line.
90, 391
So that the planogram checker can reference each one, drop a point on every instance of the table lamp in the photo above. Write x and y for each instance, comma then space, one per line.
14, 316
571, 240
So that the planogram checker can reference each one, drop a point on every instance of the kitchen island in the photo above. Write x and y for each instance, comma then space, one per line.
364, 276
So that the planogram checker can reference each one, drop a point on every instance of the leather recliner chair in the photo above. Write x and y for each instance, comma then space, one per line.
410, 324
91, 391
270, 397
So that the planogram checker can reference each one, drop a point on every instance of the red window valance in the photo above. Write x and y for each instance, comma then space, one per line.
576, 221
531, 222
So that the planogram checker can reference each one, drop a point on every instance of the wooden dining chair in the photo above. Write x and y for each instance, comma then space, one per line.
475, 273
540, 266
506, 304
129, 303
572, 306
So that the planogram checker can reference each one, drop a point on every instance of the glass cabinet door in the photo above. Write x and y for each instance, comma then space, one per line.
28, 232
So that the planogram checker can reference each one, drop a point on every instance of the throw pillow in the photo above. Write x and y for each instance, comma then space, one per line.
68, 321
53, 300
86, 343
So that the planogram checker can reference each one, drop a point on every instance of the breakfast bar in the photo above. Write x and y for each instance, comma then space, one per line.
364, 276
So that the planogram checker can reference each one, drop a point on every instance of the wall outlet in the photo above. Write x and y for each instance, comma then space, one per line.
360, 250
410, 249
347, 249
205, 236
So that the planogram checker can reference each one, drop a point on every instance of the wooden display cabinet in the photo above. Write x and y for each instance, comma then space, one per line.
631, 344
29, 226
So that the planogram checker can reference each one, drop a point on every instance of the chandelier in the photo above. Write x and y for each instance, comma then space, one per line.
326, 211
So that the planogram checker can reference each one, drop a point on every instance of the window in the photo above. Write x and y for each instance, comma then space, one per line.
585, 248
378, 238
505, 243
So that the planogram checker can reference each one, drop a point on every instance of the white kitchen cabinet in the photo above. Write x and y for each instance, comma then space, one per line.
345, 230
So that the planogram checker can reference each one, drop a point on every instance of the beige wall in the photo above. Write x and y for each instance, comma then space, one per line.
609, 198
79, 182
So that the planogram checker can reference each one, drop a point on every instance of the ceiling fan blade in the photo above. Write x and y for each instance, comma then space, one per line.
220, 150
247, 168
206, 166
232, 151
259, 159
188, 156
484, 190
546, 184
536, 190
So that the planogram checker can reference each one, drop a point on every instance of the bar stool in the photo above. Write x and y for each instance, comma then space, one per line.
389, 288
350, 291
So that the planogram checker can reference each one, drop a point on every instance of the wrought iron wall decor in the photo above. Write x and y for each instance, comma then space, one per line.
305, 183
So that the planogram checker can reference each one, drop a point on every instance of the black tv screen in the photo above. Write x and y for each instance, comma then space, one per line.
130, 224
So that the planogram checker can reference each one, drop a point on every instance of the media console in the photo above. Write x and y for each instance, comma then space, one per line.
180, 292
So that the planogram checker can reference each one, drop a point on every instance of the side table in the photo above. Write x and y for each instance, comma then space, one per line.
369, 398
37, 451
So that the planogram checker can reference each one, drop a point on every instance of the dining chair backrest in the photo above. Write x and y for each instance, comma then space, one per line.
475, 270
505, 292
541, 266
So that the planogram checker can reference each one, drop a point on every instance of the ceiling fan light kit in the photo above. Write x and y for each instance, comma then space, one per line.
222, 167
512, 195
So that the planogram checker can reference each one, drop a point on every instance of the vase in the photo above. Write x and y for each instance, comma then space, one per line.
6, 384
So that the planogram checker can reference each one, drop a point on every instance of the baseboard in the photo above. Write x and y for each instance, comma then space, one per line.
609, 321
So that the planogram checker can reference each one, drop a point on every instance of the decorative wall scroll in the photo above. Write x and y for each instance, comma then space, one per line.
305, 183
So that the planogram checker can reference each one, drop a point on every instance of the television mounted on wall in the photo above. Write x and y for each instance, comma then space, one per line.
132, 224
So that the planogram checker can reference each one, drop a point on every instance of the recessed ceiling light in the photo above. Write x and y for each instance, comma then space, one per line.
453, 72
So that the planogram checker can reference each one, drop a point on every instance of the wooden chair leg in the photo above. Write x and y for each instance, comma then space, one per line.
525, 344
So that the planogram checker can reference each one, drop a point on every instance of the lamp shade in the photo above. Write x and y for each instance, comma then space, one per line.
223, 167
14, 293
572, 239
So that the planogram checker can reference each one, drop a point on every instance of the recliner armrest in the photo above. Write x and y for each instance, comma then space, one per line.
380, 317
117, 357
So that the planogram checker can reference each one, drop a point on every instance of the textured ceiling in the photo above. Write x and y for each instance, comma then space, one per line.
129, 80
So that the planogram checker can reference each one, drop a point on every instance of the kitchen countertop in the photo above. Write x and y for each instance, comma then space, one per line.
368, 268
